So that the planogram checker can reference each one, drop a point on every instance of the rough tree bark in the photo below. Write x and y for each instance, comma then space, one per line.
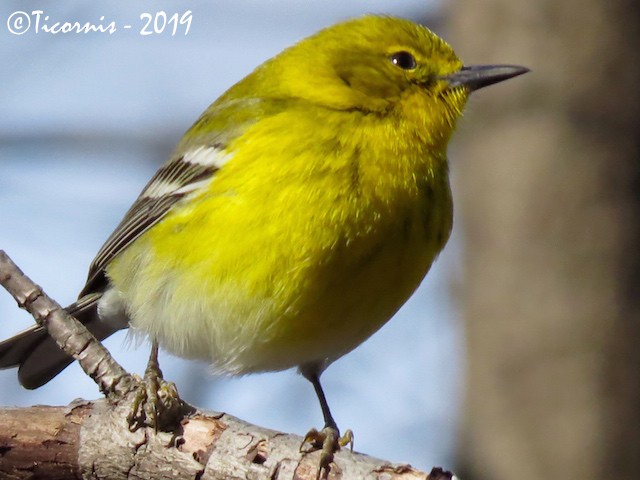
550, 204
90, 440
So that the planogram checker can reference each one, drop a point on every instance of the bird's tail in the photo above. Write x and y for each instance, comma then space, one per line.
36, 354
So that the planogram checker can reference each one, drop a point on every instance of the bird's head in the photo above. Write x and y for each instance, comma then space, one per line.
385, 66
372, 63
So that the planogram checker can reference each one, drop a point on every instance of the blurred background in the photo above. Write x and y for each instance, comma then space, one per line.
516, 358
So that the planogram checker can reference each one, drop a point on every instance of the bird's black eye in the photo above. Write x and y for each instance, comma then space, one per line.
404, 60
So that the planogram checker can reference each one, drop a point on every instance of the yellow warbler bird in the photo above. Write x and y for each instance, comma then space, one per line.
296, 215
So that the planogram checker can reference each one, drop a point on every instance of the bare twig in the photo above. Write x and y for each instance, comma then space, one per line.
70, 335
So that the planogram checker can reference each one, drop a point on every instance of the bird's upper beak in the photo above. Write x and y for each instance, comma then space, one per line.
475, 77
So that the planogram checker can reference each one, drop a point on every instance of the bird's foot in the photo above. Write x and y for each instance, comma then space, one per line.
156, 403
329, 441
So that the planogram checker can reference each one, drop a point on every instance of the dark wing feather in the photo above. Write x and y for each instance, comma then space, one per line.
182, 174
175, 179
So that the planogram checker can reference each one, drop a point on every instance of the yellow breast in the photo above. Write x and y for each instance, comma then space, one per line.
264, 275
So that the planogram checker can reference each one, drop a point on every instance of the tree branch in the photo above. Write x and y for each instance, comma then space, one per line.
70, 335
92, 439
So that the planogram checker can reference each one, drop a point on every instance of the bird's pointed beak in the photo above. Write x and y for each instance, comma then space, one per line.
475, 77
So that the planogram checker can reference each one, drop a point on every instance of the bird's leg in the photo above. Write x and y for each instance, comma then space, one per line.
156, 403
328, 439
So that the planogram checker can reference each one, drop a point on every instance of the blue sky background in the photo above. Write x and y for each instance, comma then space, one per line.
84, 122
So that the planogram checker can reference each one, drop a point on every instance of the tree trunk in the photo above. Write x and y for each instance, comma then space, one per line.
547, 175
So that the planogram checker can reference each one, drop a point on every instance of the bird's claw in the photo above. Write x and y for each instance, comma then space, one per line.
329, 441
156, 403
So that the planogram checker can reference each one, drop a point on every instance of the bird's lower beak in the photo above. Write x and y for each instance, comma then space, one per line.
475, 77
